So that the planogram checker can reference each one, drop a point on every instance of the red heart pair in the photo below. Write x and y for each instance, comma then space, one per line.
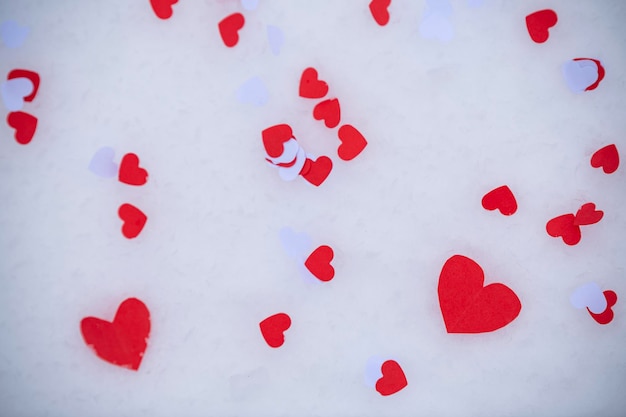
273, 329
24, 123
318, 263
393, 379
229, 28
607, 315
567, 226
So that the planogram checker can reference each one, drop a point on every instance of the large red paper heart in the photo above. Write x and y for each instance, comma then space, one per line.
134, 220
273, 329
24, 124
565, 227
329, 111
311, 86
318, 263
32, 76
607, 158
274, 137
500, 198
130, 172
229, 28
587, 214
163, 8
379, 11
317, 171
393, 379
123, 341
601, 72
539, 23
607, 315
469, 307
352, 142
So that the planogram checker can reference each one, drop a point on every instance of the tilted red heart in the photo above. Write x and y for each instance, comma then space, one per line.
123, 341
607, 315
379, 11
134, 220
317, 171
229, 28
587, 214
500, 198
607, 158
273, 329
352, 142
311, 86
539, 23
393, 379
469, 307
318, 263
565, 227
329, 111
32, 76
130, 172
274, 137
601, 72
163, 8
24, 124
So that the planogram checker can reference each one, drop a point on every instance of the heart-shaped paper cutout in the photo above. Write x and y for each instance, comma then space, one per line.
163, 8
329, 111
607, 315
130, 172
393, 379
600, 70
311, 86
274, 137
607, 158
133, 220
229, 28
352, 142
12, 34
469, 307
14, 91
102, 163
564, 227
123, 341
24, 124
500, 198
587, 214
276, 38
539, 23
32, 76
318, 263
590, 296
273, 329
379, 11
316, 171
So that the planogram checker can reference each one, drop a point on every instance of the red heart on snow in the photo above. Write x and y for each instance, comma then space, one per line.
133, 218
123, 341
469, 307
393, 379
317, 171
32, 76
329, 111
24, 124
587, 214
352, 142
274, 137
229, 28
379, 11
539, 23
318, 263
130, 172
163, 8
273, 329
607, 158
607, 315
601, 72
311, 86
500, 198
564, 226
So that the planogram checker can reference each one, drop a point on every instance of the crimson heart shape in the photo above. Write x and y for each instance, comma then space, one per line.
329, 111
318, 263
379, 11
24, 124
500, 198
229, 28
123, 341
311, 86
352, 142
587, 214
317, 171
32, 76
134, 220
607, 315
273, 329
163, 8
130, 172
565, 227
393, 379
469, 307
601, 72
274, 137
539, 23
607, 158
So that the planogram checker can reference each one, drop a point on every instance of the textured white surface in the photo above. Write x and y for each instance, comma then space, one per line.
445, 123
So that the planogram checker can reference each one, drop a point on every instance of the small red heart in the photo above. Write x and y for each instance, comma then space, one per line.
607, 315
379, 11
500, 198
123, 341
130, 172
133, 218
587, 214
352, 142
229, 28
601, 72
607, 158
393, 379
32, 76
318, 263
564, 226
273, 329
274, 137
311, 86
24, 124
163, 8
316, 171
539, 23
329, 111
469, 307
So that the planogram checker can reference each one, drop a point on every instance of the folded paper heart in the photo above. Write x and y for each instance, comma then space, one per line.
393, 379
607, 158
311, 86
130, 172
318, 263
539, 23
379, 11
565, 227
133, 220
24, 124
500, 198
163, 8
273, 329
587, 214
229, 28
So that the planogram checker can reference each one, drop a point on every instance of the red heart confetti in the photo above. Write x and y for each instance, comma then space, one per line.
133, 218
229, 28
352, 142
163, 8
601, 72
565, 227
607, 315
311, 86
500, 198
607, 158
587, 214
393, 379
273, 329
123, 341
318, 263
329, 111
539, 23
469, 307
379, 11
130, 172
24, 124
274, 137
317, 171
32, 76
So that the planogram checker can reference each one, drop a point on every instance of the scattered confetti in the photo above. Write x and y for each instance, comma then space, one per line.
352, 142
229, 28
539, 24
500, 198
14, 91
589, 296
607, 315
276, 39
133, 220
254, 92
163, 8
102, 163
318, 263
273, 329
130, 172
13, 35
380, 12
24, 124
311, 86
607, 158
249, 4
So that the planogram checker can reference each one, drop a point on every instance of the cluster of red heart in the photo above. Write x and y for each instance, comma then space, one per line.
25, 124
